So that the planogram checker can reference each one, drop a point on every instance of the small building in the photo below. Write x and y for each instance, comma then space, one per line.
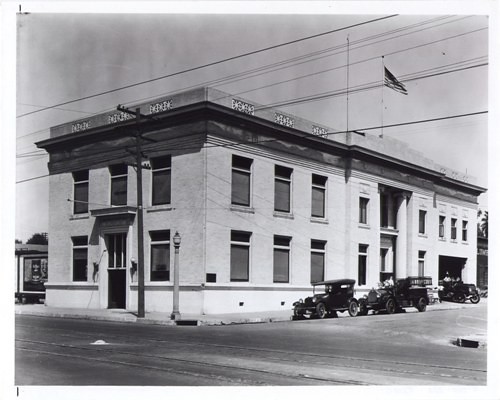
31, 271
482, 262
265, 202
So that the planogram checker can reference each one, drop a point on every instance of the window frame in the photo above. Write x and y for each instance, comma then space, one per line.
442, 227
421, 262
318, 247
453, 229
422, 222
79, 243
156, 242
241, 171
362, 263
80, 206
160, 169
283, 175
363, 209
236, 243
465, 227
114, 177
320, 188
280, 248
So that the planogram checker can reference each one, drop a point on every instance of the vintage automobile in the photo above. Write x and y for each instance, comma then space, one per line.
458, 292
407, 292
338, 295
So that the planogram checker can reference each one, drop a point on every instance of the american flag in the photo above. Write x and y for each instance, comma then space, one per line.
391, 82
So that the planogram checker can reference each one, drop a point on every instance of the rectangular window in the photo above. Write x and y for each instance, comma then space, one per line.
80, 258
453, 229
162, 175
421, 263
281, 259
421, 221
442, 221
282, 188
240, 256
81, 192
241, 180
160, 255
117, 250
318, 196
118, 184
464, 230
384, 211
362, 263
363, 210
318, 251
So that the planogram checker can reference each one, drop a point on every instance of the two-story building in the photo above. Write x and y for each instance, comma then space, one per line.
265, 203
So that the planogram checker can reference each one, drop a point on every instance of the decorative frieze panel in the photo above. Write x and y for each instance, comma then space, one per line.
80, 126
161, 106
319, 131
283, 120
119, 117
243, 107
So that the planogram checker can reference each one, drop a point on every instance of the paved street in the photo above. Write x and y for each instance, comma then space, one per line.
402, 349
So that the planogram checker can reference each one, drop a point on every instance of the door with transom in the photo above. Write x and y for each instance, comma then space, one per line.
116, 245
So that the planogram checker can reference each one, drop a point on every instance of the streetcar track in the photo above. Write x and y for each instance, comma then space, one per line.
308, 362
163, 358
268, 351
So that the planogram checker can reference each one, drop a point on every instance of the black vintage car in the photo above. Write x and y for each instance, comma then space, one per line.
338, 295
458, 292
407, 292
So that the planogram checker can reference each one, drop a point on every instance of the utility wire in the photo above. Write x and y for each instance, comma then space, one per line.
243, 75
220, 81
210, 64
374, 85
302, 136
354, 89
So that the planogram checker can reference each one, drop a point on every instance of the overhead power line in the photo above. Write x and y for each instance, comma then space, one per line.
247, 74
210, 64
246, 143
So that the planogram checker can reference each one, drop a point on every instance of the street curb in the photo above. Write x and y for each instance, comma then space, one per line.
191, 320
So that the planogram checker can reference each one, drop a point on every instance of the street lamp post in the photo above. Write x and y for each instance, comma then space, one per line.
176, 315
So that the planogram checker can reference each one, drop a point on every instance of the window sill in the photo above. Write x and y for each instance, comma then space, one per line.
249, 210
423, 235
163, 207
285, 215
318, 220
464, 242
75, 217
453, 241
442, 239
363, 226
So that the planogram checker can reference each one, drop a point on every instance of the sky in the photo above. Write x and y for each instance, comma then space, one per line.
66, 56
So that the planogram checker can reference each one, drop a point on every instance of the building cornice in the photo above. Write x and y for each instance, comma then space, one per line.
256, 128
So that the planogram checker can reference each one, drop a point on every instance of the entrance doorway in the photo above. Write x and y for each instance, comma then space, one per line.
453, 265
117, 279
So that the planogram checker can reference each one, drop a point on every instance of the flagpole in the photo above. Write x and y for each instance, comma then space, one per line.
382, 104
347, 107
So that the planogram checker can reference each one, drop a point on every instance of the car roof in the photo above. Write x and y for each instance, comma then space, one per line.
336, 282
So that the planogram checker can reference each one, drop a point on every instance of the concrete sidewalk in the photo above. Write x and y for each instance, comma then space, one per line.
161, 318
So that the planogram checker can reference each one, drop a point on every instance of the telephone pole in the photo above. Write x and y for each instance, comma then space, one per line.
140, 224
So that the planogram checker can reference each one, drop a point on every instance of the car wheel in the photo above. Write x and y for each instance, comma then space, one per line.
353, 308
475, 299
321, 310
421, 305
390, 306
459, 298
